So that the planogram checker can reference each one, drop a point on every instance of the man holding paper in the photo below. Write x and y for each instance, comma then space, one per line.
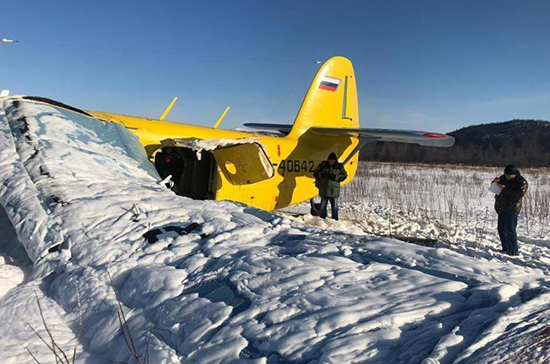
509, 190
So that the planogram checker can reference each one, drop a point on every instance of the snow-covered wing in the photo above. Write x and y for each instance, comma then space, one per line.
114, 134
423, 138
106, 150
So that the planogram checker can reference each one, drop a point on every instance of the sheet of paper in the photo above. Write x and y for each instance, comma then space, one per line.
495, 189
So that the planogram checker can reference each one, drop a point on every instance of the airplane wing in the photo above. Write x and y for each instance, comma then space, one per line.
242, 161
423, 138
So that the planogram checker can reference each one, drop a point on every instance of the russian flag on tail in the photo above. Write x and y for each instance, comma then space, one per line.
329, 83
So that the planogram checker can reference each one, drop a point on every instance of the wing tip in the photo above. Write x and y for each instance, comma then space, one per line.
437, 135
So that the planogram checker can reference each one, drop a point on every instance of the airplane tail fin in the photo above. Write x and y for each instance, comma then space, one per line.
331, 100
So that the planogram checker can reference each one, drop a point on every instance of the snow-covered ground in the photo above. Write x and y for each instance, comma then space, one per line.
83, 223
449, 204
450, 195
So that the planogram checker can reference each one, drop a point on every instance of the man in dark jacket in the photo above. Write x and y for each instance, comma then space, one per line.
508, 205
168, 162
328, 176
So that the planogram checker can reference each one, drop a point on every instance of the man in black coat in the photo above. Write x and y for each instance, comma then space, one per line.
328, 176
508, 205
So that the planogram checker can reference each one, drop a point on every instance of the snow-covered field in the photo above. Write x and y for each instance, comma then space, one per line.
451, 195
86, 230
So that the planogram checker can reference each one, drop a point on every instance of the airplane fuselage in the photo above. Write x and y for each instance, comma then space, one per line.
294, 159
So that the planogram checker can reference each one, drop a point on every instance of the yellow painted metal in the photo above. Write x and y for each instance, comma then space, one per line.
165, 113
325, 108
221, 118
299, 152
244, 163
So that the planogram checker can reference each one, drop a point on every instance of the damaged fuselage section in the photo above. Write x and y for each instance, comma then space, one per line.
198, 168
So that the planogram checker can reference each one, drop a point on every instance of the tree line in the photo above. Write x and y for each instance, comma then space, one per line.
525, 143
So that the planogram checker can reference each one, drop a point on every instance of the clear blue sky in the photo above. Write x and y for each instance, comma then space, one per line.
428, 65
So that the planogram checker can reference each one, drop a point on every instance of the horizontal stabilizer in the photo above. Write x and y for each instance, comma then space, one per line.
423, 138
285, 129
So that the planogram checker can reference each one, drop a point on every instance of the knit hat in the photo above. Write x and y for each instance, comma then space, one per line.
332, 156
510, 169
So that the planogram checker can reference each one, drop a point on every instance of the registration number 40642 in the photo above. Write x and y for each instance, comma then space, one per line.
296, 165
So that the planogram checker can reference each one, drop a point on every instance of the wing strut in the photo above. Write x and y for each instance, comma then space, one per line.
221, 118
165, 113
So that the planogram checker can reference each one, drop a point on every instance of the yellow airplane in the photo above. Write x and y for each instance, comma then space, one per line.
262, 170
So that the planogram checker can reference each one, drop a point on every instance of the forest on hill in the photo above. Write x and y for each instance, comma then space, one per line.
525, 143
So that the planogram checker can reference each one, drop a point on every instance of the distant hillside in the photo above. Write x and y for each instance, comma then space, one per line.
525, 143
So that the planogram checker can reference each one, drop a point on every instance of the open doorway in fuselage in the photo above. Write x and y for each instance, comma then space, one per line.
192, 177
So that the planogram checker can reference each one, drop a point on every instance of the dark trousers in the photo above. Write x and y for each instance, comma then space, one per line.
333, 206
507, 223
